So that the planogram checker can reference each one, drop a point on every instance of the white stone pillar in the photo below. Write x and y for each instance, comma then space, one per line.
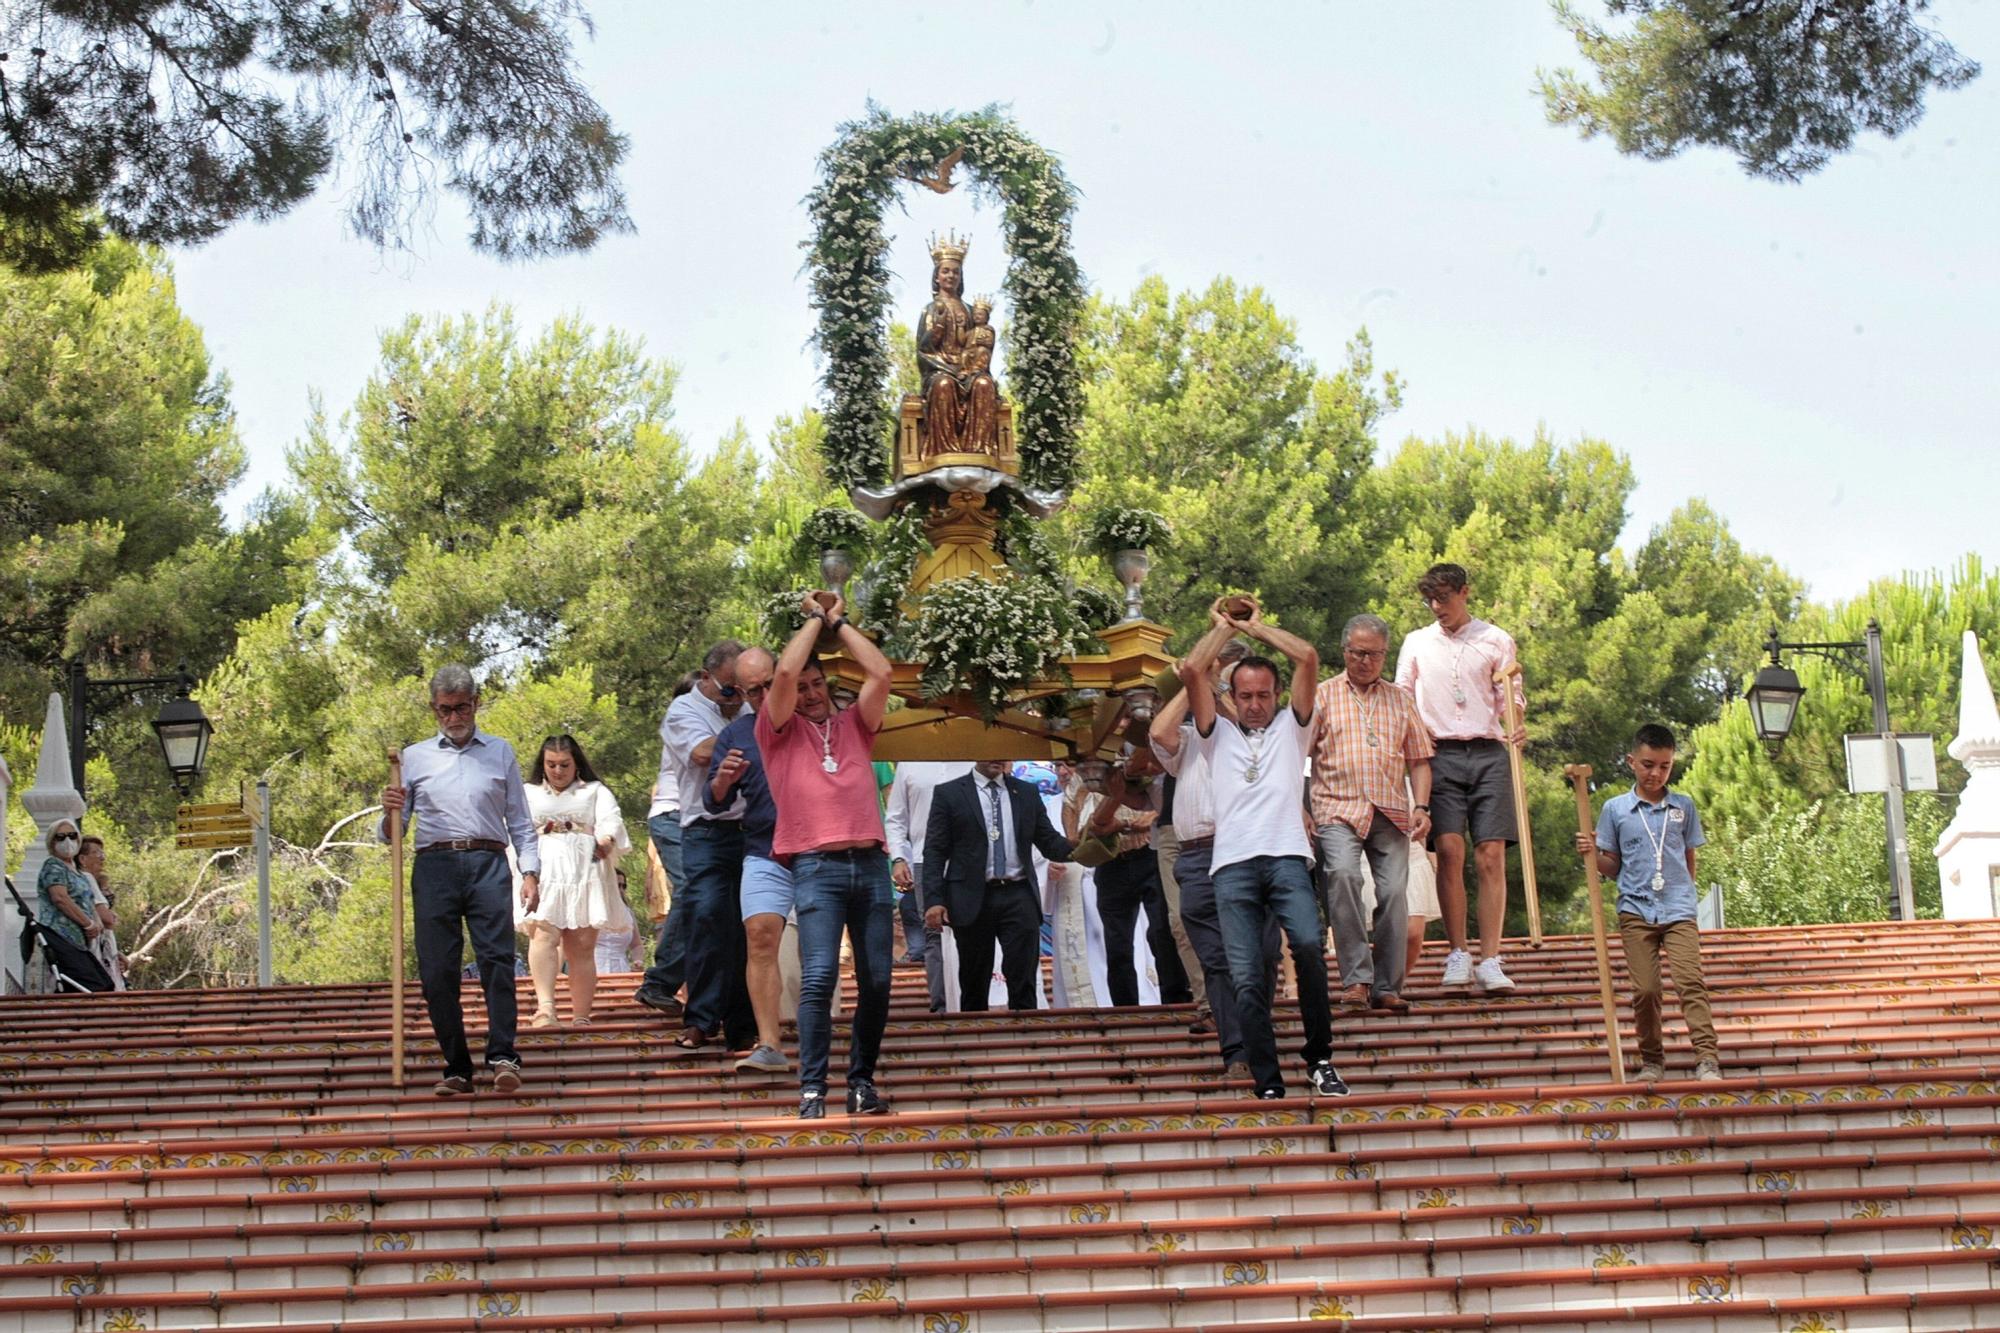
50, 799
1969, 851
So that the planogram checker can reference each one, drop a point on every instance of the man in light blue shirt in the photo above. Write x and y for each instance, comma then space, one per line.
462, 789
1646, 839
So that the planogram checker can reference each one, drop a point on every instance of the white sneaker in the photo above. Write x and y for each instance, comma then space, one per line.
1457, 969
1491, 977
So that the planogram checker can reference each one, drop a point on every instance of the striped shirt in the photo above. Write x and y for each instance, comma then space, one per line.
1362, 745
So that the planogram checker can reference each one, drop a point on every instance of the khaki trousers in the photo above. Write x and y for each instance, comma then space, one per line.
1680, 941
1168, 848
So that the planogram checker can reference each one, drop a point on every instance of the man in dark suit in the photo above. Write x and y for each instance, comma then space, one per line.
979, 880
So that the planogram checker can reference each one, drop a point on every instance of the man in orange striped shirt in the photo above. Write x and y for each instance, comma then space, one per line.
1367, 735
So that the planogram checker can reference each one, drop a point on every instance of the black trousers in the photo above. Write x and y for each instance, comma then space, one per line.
452, 894
1010, 914
1124, 885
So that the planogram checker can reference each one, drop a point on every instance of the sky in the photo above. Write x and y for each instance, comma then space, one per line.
1815, 360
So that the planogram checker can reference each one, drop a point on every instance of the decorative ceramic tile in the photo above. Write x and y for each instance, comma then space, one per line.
1245, 1273
1971, 1236
1325, 1308
1714, 1289
1615, 1256
956, 1322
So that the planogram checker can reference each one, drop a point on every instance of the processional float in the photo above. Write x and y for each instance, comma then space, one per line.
958, 474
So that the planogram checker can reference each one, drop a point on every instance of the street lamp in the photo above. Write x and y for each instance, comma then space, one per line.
183, 729
1774, 704
1774, 697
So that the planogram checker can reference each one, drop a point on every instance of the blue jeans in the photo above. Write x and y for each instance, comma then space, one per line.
1204, 931
1248, 895
452, 893
836, 891
669, 969
717, 999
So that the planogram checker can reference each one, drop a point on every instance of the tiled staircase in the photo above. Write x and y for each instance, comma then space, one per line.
239, 1159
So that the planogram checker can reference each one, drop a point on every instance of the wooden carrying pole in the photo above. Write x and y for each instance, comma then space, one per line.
1579, 776
1505, 678
396, 927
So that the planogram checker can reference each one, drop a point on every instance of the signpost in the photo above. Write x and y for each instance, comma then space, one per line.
232, 824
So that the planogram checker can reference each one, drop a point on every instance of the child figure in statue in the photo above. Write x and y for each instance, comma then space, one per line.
982, 395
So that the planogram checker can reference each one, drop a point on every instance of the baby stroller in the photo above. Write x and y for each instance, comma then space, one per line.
73, 968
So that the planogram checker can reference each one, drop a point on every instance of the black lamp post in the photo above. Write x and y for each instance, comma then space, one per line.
183, 729
1774, 705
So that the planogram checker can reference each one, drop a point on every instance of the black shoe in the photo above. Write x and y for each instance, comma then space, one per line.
862, 1099
1325, 1080
655, 998
1274, 1093
812, 1105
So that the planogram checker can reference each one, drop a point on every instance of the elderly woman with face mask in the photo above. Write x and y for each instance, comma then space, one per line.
71, 904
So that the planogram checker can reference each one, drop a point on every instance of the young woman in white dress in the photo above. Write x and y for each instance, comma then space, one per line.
582, 835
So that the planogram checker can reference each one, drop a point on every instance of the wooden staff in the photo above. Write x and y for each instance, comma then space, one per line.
396, 935
1505, 678
1579, 774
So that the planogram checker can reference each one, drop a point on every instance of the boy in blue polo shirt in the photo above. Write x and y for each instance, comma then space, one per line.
1645, 840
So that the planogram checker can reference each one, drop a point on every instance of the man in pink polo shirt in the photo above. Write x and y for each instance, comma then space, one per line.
1450, 667
820, 767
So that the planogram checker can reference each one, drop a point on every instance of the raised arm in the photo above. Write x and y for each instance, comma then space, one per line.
1196, 666
1304, 658
1165, 733
875, 671
782, 699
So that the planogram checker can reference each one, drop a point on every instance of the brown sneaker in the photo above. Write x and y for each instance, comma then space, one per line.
506, 1076
453, 1085
1391, 1001
1237, 1071
1355, 996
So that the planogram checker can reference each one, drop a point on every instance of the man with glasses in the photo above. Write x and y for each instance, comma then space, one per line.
465, 800
718, 1004
1366, 738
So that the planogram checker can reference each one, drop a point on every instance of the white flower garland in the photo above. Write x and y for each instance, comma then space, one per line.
848, 260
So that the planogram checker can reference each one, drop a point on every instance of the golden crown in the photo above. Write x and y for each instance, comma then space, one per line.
981, 302
949, 246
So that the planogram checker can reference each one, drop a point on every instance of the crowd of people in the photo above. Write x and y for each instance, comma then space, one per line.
1262, 809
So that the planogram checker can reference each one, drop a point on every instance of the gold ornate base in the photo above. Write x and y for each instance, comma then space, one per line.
951, 728
961, 533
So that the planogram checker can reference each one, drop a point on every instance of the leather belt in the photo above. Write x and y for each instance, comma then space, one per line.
1196, 844
1003, 883
463, 845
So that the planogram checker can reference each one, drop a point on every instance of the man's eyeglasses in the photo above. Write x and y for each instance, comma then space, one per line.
756, 691
454, 710
1366, 654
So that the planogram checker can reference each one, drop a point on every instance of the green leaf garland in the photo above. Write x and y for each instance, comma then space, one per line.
848, 260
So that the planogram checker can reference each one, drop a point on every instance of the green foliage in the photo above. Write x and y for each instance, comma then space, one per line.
1824, 862
848, 259
117, 447
1923, 616
1203, 407
179, 119
1783, 86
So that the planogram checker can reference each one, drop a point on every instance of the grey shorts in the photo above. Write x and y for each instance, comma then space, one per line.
1472, 792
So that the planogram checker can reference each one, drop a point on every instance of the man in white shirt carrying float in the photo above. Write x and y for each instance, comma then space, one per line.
1261, 862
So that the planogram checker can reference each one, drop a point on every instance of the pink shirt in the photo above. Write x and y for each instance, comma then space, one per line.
817, 808
1452, 677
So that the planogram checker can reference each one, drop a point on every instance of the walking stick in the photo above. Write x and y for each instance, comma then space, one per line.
1579, 774
1504, 678
396, 934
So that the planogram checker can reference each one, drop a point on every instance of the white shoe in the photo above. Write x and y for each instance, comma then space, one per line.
1457, 969
1491, 977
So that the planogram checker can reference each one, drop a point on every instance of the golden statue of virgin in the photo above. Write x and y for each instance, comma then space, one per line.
955, 344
